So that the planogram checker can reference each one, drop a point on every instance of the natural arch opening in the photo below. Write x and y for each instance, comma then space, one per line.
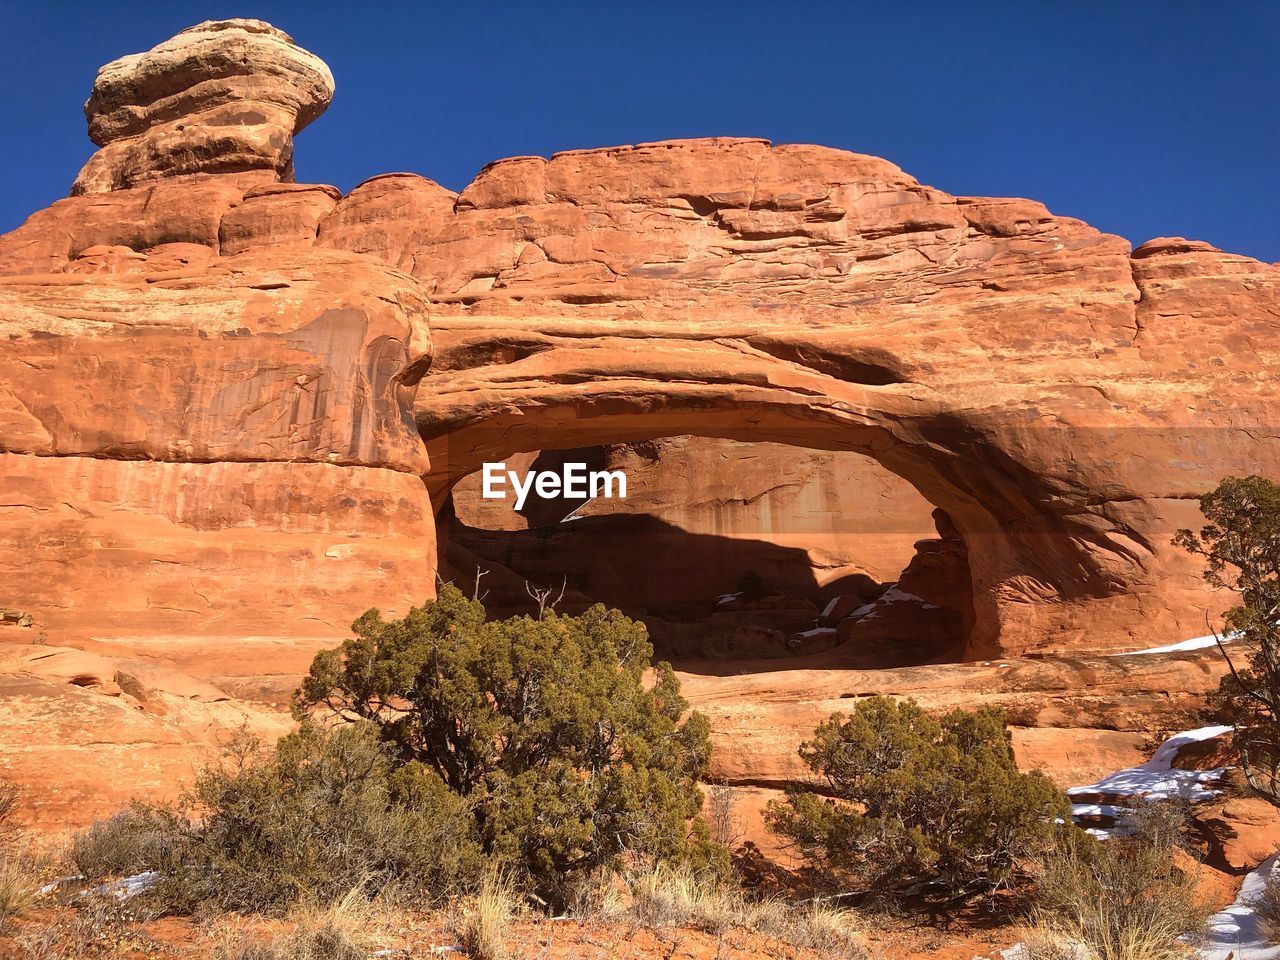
730, 551
1050, 557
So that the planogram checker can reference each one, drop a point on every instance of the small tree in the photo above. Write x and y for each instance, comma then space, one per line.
918, 806
1241, 547
546, 727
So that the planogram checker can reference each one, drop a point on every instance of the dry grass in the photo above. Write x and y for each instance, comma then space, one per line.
484, 920
17, 885
20, 865
348, 930
663, 897
831, 931
100, 926
1118, 900
1267, 906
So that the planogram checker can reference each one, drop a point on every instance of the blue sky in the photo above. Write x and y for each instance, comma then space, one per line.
1145, 119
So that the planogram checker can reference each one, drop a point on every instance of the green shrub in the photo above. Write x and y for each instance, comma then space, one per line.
325, 814
546, 728
913, 806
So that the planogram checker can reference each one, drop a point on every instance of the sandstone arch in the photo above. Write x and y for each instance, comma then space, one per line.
1063, 397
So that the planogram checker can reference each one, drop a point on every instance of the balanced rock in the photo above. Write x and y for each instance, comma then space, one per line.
222, 96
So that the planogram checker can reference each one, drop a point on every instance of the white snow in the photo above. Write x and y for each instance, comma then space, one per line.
817, 632
1157, 779
894, 595
574, 514
1237, 929
727, 598
1098, 810
1195, 643
826, 611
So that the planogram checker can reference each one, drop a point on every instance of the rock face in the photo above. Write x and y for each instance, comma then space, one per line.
189, 323
89, 733
1077, 717
804, 521
223, 96
926, 615
1062, 401
211, 445
231, 407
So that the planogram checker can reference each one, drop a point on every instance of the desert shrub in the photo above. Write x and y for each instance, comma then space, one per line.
1126, 898
1240, 544
139, 838
545, 728
485, 919
321, 815
915, 806
721, 816
1267, 905
1161, 822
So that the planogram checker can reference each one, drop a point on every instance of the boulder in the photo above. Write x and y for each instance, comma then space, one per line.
220, 97
1245, 831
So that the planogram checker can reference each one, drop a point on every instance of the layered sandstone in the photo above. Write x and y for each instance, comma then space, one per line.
223, 96
1063, 401
217, 417
215, 445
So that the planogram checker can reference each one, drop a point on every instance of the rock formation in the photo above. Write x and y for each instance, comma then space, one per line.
211, 371
231, 406
223, 96
206, 445
807, 522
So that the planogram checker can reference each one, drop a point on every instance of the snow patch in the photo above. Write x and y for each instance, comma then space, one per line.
131, 886
894, 595
1157, 779
1195, 643
1237, 929
817, 632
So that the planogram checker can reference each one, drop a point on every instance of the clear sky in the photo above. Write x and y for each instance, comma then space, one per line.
1143, 118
